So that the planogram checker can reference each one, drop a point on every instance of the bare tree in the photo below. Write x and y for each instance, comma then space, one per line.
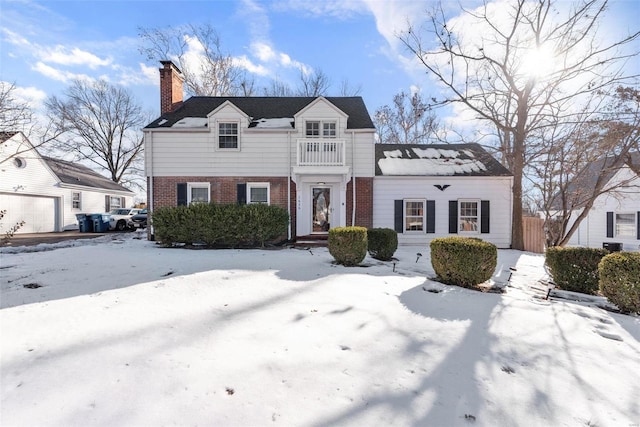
314, 83
495, 74
579, 160
15, 115
278, 87
100, 124
409, 120
207, 69
346, 89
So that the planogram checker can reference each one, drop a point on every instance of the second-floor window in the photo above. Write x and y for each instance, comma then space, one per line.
228, 135
317, 129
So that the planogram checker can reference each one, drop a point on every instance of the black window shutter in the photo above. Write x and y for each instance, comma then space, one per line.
431, 216
638, 225
123, 202
484, 216
242, 194
107, 203
398, 218
609, 224
453, 216
182, 194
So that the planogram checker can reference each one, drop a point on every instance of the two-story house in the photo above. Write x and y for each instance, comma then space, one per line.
313, 156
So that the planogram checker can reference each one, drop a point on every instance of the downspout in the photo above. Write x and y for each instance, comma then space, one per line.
289, 186
353, 177
149, 155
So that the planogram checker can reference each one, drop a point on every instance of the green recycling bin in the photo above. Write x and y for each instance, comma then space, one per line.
84, 223
100, 223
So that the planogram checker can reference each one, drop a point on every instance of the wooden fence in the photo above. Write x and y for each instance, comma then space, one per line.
533, 228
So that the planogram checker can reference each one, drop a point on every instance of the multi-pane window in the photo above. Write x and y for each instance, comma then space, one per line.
258, 193
198, 193
314, 128
329, 129
115, 202
227, 135
414, 215
75, 201
626, 225
468, 218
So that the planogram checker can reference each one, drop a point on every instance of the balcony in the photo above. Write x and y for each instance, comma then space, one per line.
321, 152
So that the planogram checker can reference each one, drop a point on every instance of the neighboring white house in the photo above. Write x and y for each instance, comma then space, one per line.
47, 193
615, 215
429, 191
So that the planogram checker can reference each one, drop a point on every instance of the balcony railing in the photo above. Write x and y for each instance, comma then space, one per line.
321, 152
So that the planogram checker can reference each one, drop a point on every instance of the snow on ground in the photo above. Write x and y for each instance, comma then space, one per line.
125, 333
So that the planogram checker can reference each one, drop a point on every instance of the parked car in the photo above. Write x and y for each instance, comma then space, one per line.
120, 218
139, 220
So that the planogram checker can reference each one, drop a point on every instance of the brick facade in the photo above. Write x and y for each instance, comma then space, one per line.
364, 201
171, 89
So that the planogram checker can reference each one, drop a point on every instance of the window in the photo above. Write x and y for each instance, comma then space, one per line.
258, 192
228, 135
414, 215
115, 202
75, 201
626, 225
198, 192
468, 217
313, 129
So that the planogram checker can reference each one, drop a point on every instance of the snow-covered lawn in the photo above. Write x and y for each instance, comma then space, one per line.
125, 333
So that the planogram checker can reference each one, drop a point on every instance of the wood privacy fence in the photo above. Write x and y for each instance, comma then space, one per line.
533, 230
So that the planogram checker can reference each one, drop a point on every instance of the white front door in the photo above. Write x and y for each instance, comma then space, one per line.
321, 209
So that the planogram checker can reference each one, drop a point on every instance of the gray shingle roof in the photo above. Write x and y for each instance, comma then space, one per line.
260, 107
73, 173
436, 160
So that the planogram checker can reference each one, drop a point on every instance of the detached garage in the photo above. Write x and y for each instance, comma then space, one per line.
47, 193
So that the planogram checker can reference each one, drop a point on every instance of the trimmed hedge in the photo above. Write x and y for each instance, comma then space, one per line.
382, 243
348, 245
463, 261
216, 225
575, 269
620, 280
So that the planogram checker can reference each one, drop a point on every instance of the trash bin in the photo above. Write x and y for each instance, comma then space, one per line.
100, 223
612, 247
84, 223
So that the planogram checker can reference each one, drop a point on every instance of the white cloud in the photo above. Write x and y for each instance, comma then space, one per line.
247, 64
30, 95
262, 51
56, 74
75, 56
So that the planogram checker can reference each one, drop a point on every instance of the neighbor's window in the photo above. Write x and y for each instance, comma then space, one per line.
75, 201
626, 225
227, 135
115, 202
414, 215
468, 218
198, 192
258, 192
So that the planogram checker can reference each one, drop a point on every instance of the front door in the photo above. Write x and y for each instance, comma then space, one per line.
321, 202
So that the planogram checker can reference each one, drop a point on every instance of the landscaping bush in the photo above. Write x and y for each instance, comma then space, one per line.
575, 269
620, 280
348, 245
463, 261
220, 225
382, 243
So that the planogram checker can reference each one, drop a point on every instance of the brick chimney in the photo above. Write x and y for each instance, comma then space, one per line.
171, 91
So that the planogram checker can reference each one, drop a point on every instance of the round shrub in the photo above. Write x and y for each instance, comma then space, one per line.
348, 245
383, 243
620, 280
463, 261
575, 269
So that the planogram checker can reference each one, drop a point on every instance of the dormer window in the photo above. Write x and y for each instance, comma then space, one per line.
228, 135
317, 128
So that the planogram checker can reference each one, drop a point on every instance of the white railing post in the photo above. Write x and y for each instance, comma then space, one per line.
321, 152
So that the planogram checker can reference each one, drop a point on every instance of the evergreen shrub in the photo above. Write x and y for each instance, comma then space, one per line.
620, 280
463, 261
575, 269
382, 243
348, 245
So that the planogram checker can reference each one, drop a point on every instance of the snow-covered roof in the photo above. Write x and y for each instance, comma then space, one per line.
273, 123
436, 160
191, 122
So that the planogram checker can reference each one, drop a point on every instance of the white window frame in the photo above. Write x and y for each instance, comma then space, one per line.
633, 225
76, 203
115, 202
198, 185
478, 216
237, 135
405, 216
326, 129
252, 185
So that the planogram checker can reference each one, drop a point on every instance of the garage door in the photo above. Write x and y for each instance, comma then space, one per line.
38, 213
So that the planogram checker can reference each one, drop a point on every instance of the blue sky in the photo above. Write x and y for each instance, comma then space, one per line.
44, 44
